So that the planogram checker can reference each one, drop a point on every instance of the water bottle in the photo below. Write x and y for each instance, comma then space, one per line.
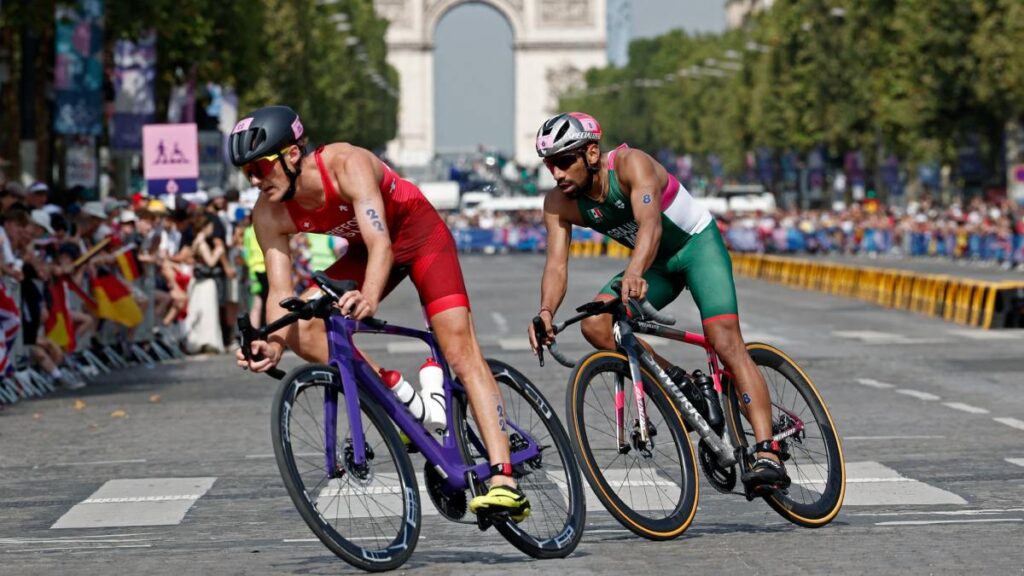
405, 392
707, 389
432, 392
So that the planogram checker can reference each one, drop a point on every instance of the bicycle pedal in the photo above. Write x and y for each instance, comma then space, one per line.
483, 522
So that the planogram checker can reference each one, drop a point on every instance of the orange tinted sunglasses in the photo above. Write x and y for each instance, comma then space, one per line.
262, 167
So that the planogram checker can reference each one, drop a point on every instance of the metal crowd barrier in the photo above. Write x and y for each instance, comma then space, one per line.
112, 349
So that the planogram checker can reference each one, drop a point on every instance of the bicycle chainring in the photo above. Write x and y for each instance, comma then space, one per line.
723, 479
451, 505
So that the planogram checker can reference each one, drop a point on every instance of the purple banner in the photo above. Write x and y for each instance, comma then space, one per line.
134, 103
78, 73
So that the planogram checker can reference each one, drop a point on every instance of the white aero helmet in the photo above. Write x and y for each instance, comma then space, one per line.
566, 131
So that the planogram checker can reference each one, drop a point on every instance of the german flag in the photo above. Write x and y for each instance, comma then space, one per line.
114, 301
59, 328
128, 264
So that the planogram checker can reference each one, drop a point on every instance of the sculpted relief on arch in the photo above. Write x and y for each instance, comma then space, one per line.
397, 12
565, 13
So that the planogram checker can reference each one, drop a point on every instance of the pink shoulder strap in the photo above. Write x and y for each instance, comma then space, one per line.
611, 155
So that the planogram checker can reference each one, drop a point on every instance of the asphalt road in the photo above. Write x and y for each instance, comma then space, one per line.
931, 415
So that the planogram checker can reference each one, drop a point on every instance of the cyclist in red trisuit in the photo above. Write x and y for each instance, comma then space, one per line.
393, 232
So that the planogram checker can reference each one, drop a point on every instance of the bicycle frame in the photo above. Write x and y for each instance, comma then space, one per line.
355, 371
639, 357
722, 446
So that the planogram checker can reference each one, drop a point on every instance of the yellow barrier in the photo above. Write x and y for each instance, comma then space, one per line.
960, 300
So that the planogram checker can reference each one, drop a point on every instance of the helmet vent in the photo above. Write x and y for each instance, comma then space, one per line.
259, 138
561, 131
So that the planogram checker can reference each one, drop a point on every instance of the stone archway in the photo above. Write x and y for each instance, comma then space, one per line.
555, 42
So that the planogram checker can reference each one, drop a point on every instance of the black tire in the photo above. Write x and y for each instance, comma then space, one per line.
670, 469
552, 483
376, 512
815, 464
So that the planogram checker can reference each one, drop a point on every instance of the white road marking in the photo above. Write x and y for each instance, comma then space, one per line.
872, 337
409, 346
978, 334
80, 548
137, 502
845, 438
981, 512
130, 499
918, 394
303, 454
1017, 461
874, 484
101, 462
1011, 422
927, 522
500, 322
965, 407
514, 344
874, 383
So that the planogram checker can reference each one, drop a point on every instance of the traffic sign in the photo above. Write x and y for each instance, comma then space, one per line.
170, 158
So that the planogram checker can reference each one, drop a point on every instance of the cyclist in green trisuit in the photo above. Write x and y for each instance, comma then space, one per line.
628, 196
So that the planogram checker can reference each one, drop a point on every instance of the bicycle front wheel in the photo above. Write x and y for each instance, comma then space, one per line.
812, 453
649, 488
551, 480
369, 514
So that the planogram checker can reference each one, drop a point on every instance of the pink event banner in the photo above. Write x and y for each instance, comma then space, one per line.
170, 151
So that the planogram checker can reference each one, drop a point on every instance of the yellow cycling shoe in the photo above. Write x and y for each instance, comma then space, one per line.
501, 499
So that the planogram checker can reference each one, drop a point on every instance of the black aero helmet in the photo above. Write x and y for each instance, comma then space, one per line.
264, 132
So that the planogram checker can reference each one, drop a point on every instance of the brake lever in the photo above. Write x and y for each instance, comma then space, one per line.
541, 333
245, 334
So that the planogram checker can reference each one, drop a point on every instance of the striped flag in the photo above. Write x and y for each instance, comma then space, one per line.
10, 323
114, 301
128, 264
59, 328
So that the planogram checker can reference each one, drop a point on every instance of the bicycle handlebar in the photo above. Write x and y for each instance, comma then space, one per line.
298, 309
647, 311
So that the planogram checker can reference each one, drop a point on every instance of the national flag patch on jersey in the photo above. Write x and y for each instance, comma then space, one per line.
595, 214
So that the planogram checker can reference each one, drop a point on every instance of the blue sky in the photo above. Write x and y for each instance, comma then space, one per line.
473, 66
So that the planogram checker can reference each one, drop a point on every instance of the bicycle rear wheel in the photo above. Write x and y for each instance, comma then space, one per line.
551, 480
813, 456
368, 515
652, 490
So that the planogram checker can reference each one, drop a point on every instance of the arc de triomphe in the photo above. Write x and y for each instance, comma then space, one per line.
556, 41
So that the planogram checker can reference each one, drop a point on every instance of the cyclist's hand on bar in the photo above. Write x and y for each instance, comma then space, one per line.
633, 286
355, 305
269, 355
549, 332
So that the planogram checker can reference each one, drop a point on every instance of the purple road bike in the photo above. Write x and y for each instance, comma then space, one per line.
350, 474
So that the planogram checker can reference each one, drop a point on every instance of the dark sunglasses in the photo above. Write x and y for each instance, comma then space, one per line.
563, 161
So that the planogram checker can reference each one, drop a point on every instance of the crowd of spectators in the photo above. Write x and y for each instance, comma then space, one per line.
978, 230
80, 275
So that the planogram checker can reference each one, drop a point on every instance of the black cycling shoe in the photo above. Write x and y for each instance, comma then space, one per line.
766, 475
